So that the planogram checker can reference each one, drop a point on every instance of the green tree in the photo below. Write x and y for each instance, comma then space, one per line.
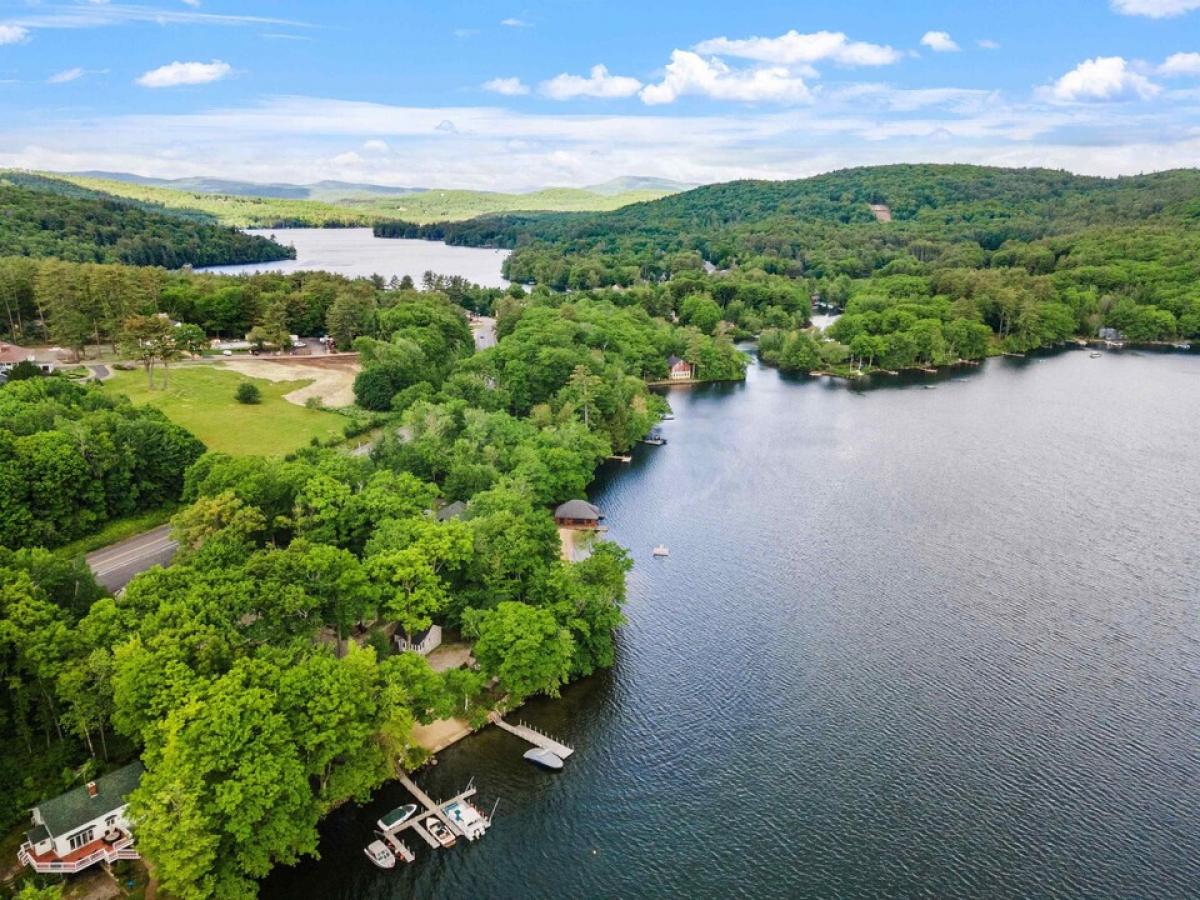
524, 647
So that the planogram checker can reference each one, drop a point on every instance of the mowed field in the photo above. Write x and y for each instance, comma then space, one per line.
200, 398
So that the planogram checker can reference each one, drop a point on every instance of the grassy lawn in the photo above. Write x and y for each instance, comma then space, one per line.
200, 399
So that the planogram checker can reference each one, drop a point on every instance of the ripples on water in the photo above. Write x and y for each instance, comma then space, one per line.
908, 642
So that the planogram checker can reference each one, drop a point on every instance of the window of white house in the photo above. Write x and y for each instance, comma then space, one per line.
110, 821
79, 838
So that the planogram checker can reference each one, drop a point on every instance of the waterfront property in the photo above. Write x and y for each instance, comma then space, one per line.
577, 514
680, 369
84, 826
424, 641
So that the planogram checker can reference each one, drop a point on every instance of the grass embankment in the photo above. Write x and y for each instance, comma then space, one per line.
118, 530
200, 398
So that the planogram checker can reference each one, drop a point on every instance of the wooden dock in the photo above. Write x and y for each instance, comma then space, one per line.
533, 736
432, 808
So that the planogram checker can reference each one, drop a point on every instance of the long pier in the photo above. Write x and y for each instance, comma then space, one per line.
533, 736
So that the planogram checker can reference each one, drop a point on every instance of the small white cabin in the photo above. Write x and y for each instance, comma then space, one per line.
423, 642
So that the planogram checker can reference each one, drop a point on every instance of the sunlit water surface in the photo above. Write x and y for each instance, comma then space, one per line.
908, 642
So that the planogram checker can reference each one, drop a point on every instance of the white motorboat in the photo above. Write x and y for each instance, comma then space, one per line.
440, 832
397, 817
467, 819
547, 759
397, 846
378, 853
661, 550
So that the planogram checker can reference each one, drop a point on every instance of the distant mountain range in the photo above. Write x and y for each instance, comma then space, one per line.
333, 191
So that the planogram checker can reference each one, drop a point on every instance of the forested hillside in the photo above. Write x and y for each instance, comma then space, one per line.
332, 204
42, 217
921, 257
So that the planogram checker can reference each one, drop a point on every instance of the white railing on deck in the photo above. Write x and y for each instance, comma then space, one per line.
108, 853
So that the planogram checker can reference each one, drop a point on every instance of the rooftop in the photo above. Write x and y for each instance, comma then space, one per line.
11, 353
68, 811
577, 509
451, 511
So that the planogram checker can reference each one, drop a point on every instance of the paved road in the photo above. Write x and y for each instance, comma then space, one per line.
485, 332
99, 370
115, 566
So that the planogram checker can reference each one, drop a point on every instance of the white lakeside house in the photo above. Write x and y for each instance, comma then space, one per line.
84, 826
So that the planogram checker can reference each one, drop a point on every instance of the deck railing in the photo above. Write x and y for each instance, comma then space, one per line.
109, 853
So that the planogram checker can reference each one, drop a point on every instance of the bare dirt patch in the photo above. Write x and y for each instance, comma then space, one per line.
332, 376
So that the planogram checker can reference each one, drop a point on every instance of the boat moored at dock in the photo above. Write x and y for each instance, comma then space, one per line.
397, 817
546, 759
439, 831
379, 854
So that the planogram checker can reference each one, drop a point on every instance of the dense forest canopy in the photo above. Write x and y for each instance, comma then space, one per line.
922, 258
43, 217
73, 458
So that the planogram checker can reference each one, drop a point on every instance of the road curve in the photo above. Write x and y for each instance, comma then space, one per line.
115, 566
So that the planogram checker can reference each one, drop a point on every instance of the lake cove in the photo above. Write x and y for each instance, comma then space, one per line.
356, 252
907, 642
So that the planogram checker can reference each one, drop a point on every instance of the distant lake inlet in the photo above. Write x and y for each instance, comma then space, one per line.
357, 253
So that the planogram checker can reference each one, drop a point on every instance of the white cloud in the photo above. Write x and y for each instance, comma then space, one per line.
599, 83
794, 48
1102, 78
97, 15
987, 44
939, 42
179, 73
1155, 9
376, 146
13, 34
1181, 64
465, 32
513, 22
509, 87
691, 74
294, 139
349, 158
65, 75
192, 3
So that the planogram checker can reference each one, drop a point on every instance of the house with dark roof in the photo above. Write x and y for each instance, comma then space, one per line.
680, 369
424, 641
450, 511
84, 826
578, 514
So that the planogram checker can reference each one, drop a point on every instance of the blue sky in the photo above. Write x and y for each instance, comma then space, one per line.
525, 94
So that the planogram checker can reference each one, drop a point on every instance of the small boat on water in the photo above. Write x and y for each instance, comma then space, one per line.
1095, 354
378, 853
440, 832
668, 417
398, 847
397, 817
547, 759
661, 550
467, 819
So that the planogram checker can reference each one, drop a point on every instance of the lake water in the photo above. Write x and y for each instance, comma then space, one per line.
357, 252
908, 642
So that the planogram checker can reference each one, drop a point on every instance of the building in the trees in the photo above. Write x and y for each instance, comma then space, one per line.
681, 369
84, 826
423, 642
578, 514
454, 510
11, 354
